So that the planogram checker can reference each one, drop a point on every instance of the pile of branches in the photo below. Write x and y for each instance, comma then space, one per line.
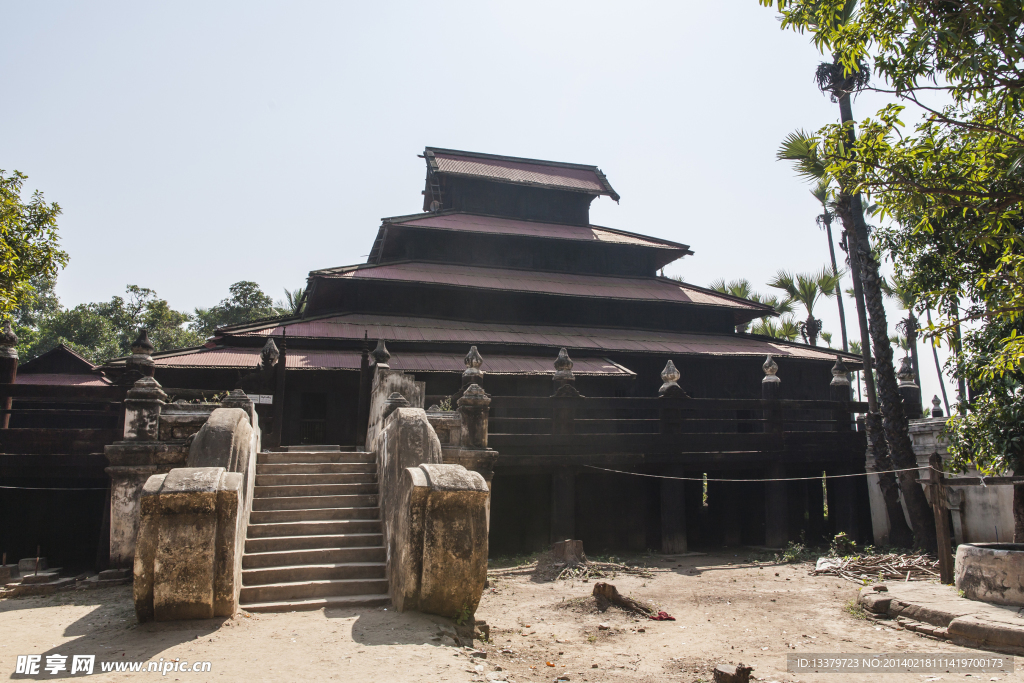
862, 569
600, 570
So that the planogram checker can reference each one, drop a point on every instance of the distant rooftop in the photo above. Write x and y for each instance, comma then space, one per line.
520, 171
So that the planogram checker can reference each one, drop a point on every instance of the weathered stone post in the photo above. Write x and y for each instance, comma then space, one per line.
8, 368
141, 360
474, 407
909, 391
472, 374
775, 500
132, 461
936, 406
381, 356
365, 386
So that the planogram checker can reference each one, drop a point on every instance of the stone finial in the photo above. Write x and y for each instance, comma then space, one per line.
906, 373
770, 367
563, 367
141, 361
380, 354
670, 378
936, 406
473, 374
395, 401
269, 354
8, 341
840, 373
147, 388
142, 346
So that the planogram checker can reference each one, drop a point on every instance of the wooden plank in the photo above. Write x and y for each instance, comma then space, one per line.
596, 402
44, 440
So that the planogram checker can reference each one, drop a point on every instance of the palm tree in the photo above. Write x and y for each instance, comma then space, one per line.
786, 328
741, 288
806, 289
824, 220
855, 348
885, 412
295, 300
827, 337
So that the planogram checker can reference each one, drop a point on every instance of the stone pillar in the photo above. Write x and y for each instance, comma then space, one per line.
472, 374
474, 406
909, 391
132, 461
8, 368
563, 505
564, 380
673, 516
936, 406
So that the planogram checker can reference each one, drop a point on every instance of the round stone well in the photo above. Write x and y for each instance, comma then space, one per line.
991, 572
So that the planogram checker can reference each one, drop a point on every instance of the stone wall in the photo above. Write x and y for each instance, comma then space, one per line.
980, 514
385, 383
193, 520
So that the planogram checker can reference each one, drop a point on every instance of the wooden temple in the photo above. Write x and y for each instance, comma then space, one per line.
504, 257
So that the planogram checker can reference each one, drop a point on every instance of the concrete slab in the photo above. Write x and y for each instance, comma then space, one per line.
963, 621
28, 564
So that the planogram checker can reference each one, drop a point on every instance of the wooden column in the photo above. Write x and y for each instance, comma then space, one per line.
365, 386
279, 398
776, 508
942, 536
844, 510
815, 511
673, 515
563, 505
8, 369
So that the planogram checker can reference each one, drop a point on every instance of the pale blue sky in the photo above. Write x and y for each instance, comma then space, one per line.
195, 144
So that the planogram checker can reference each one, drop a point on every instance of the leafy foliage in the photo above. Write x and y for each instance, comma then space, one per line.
246, 303
29, 245
951, 183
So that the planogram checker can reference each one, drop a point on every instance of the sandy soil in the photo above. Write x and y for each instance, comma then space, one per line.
728, 610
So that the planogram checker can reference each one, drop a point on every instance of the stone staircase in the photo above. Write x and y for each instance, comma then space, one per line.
315, 538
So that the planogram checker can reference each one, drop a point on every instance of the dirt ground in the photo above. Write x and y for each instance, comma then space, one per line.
727, 610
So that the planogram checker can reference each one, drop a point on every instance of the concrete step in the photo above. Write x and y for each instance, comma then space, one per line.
310, 448
312, 572
278, 543
317, 468
300, 590
332, 602
315, 528
295, 490
313, 502
268, 458
284, 558
271, 516
312, 479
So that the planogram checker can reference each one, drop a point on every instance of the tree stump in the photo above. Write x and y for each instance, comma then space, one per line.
569, 552
606, 593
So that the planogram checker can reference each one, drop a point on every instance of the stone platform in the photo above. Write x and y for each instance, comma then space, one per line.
938, 611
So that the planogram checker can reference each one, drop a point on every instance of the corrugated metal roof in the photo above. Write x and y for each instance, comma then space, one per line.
571, 284
508, 226
62, 379
597, 340
576, 177
409, 361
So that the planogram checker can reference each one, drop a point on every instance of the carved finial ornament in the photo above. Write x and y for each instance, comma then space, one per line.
563, 366
381, 356
473, 361
770, 367
269, 354
670, 378
840, 373
936, 406
142, 346
906, 373
8, 342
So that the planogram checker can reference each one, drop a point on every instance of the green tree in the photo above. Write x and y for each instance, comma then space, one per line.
806, 289
294, 301
29, 244
784, 328
247, 302
841, 78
